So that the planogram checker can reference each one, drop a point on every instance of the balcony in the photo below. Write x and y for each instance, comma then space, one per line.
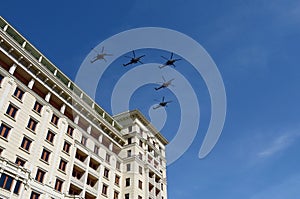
78, 176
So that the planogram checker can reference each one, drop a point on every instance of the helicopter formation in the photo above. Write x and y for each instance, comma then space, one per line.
137, 59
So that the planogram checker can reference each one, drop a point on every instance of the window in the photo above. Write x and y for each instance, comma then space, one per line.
96, 149
45, 155
141, 143
140, 156
129, 140
11, 111
32, 124
37, 107
117, 180
128, 167
106, 172
140, 184
67, 146
6, 181
4, 130
62, 165
34, 195
118, 165
140, 170
1, 78
104, 189
116, 195
18, 93
162, 186
58, 185
70, 131
50, 136
17, 187
1, 150
127, 182
26, 143
20, 162
83, 140
40, 174
139, 197
129, 153
107, 158
127, 196
54, 120
130, 128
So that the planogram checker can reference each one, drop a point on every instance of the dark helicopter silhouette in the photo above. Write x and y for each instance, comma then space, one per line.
134, 60
169, 62
163, 103
100, 56
165, 83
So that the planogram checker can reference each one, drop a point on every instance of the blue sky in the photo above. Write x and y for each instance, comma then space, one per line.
255, 45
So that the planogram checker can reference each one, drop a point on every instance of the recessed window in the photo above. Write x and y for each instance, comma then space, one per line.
129, 140
141, 143
1, 150
106, 173
104, 189
45, 155
1, 78
17, 187
67, 146
140, 184
117, 180
127, 196
54, 120
26, 143
11, 111
96, 149
40, 174
129, 153
140, 170
50, 136
4, 130
58, 185
107, 158
127, 182
34, 195
116, 195
6, 181
20, 162
118, 165
19, 93
140, 156
32, 124
37, 107
70, 131
83, 140
140, 197
62, 165
128, 167
130, 128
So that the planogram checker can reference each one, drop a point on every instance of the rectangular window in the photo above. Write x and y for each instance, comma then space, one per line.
127, 182
18, 93
130, 128
70, 131
66, 147
26, 143
6, 181
106, 173
128, 167
140, 184
83, 140
40, 174
58, 185
11, 111
140, 170
140, 156
54, 120
17, 187
45, 155
50, 136
129, 153
104, 189
140, 197
32, 124
1, 78
141, 143
116, 195
96, 149
4, 130
107, 158
127, 196
129, 140
20, 162
62, 165
37, 107
118, 165
117, 180
34, 195
1, 150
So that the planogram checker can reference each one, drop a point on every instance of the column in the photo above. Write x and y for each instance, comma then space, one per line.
12, 69
31, 83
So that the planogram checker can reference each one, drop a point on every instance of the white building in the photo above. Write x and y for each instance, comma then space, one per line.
56, 142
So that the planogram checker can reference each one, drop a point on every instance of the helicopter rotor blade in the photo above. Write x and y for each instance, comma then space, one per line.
128, 57
102, 49
163, 99
177, 59
133, 53
164, 78
140, 62
165, 58
171, 55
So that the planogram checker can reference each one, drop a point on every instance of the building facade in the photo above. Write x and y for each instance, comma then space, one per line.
56, 142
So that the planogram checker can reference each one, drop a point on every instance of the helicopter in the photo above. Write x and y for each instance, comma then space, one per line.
169, 62
165, 83
134, 59
163, 103
100, 55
